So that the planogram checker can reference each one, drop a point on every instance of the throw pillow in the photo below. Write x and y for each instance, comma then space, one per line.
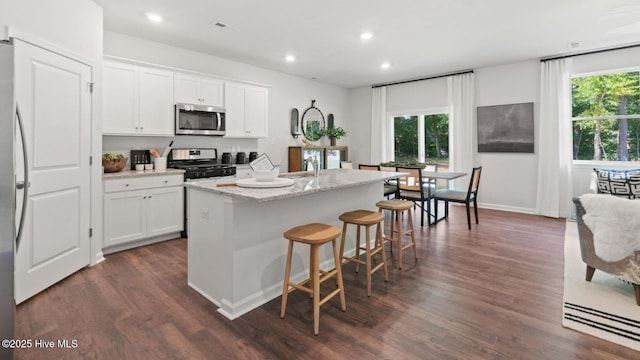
624, 183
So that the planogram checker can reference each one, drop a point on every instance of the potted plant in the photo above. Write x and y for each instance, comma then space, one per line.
333, 134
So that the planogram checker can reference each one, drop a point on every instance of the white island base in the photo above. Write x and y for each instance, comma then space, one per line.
236, 251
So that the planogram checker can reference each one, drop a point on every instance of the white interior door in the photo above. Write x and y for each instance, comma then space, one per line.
55, 101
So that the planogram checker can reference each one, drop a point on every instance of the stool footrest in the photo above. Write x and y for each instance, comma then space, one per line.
329, 296
356, 259
377, 267
326, 275
300, 286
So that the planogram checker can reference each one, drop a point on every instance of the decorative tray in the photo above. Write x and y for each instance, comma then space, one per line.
253, 183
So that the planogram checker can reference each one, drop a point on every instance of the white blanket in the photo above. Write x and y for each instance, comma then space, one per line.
615, 224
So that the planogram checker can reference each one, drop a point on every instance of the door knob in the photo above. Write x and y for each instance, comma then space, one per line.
20, 185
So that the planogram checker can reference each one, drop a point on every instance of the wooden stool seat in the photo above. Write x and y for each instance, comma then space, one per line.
367, 219
315, 235
312, 233
362, 217
397, 207
394, 205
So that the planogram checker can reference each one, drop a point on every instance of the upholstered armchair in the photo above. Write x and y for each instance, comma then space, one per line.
627, 268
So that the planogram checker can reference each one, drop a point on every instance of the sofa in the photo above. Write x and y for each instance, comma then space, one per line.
613, 248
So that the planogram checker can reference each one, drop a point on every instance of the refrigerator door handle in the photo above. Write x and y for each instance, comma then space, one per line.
21, 184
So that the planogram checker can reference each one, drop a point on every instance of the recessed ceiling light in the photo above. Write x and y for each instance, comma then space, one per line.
154, 17
290, 58
385, 65
366, 36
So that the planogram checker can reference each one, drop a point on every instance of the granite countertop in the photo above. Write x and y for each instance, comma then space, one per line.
134, 173
304, 183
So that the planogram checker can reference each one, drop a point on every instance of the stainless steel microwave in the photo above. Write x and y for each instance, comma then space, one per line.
199, 120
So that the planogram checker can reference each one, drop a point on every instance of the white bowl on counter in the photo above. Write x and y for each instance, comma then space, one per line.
269, 175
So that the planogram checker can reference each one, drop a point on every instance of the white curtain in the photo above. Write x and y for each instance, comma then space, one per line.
461, 129
554, 140
381, 128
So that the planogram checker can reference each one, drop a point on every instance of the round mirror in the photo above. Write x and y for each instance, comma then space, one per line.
312, 123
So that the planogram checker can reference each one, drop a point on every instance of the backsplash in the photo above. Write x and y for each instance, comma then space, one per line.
124, 144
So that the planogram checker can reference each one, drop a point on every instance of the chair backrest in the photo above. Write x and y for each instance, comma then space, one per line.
430, 167
346, 165
369, 167
411, 182
474, 184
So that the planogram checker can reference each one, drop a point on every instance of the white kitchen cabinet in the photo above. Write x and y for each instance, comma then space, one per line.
137, 100
200, 90
247, 109
142, 208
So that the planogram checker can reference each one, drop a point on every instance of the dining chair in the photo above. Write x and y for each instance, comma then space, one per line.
432, 183
412, 188
389, 188
346, 165
369, 167
464, 197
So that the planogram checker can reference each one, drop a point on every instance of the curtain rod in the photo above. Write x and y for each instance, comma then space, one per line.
589, 52
424, 78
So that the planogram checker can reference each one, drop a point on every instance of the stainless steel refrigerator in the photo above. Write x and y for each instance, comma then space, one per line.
10, 228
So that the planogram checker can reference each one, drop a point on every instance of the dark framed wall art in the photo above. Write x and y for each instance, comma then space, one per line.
506, 128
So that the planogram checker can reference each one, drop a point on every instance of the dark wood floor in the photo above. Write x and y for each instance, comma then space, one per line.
494, 292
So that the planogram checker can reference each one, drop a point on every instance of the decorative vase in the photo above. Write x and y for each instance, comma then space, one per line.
332, 141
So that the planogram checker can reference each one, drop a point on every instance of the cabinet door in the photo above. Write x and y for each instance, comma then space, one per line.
211, 92
256, 111
187, 89
125, 217
234, 103
165, 210
120, 99
156, 102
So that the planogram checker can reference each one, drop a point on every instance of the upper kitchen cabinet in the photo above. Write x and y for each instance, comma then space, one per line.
137, 100
247, 109
198, 90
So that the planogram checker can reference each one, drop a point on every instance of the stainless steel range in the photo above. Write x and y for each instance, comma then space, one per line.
199, 165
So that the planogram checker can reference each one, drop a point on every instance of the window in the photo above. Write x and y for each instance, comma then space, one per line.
422, 138
606, 117
405, 136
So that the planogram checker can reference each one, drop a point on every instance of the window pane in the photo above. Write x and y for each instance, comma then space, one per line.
406, 138
608, 140
436, 138
615, 139
602, 95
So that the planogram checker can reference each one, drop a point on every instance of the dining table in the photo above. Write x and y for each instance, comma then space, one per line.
434, 176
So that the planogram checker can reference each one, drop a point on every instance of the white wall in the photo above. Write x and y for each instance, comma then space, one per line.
508, 180
73, 27
419, 95
286, 92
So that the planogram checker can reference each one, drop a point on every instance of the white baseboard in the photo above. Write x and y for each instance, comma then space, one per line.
139, 243
507, 208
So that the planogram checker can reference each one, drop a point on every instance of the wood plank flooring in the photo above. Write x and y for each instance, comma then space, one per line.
494, 292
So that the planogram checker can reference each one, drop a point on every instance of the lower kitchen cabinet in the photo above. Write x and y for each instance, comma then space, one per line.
139, 210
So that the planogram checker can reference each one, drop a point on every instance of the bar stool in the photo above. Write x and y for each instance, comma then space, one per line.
367, 219
315, 235
398, 207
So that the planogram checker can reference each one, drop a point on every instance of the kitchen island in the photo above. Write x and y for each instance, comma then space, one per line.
236, 251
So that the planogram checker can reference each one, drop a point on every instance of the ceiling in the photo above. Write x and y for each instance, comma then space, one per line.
417, 37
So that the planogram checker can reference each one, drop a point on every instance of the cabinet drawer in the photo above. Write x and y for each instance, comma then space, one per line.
146, 182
